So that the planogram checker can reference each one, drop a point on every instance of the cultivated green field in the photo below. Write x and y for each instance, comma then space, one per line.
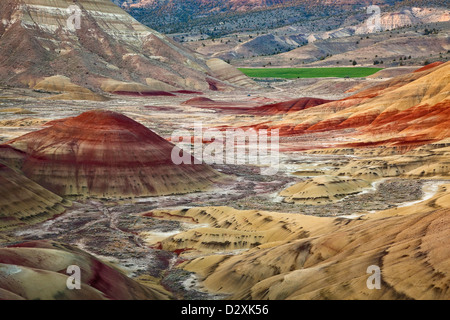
291, 73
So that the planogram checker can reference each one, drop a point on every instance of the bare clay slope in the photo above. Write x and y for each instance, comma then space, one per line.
37, 43
304, 257
23, 201
38, 270
106, 154
407, 110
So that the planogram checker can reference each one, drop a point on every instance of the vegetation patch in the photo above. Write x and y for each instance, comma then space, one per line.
292, 73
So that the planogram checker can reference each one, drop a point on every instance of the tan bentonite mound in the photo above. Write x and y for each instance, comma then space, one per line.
23, 201
324, 189
39, 270
304, 257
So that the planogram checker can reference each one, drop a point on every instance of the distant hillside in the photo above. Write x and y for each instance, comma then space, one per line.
211, 5
220, 17
416, 32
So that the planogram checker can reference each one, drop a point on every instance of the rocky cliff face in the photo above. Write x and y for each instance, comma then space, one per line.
408, 16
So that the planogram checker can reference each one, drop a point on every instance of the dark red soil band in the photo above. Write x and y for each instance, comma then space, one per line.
144, 94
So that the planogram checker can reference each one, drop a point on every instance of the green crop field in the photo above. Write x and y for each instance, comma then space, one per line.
292, 73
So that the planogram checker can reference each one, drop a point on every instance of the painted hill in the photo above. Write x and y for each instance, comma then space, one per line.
36, 43
106, 154
409, 109
38, 270
292, 256
289, 106
323, 189
23, 201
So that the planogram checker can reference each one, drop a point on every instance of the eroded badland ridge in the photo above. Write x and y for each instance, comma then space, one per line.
87, 148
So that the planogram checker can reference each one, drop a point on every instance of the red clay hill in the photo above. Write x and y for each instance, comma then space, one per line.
289, 106
106, 154
410, 109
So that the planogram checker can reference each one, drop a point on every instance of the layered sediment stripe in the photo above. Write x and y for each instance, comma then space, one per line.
106, 154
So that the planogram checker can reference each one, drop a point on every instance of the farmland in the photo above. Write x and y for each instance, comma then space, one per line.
292, 73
